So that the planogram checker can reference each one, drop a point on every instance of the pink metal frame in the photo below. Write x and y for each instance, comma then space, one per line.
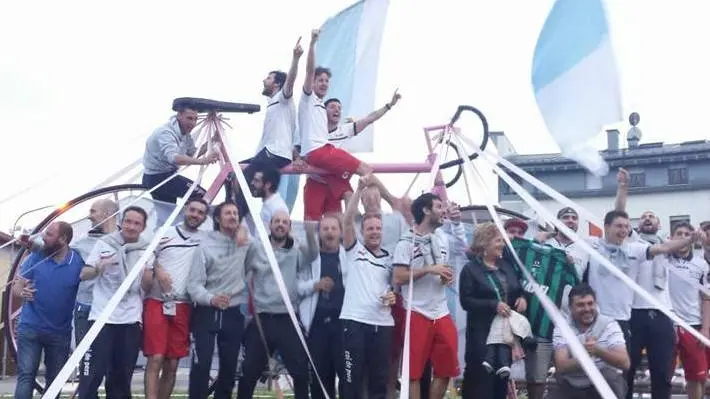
430, 165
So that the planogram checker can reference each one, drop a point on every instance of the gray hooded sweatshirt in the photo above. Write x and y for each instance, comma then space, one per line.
291, 259
219, 268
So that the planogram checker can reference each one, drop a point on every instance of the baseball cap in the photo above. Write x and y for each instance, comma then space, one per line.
566, 211
516, 222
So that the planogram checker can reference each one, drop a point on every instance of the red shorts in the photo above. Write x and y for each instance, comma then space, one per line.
399, 314
693, 355
434, 340
339, 162
166, 335
320, 198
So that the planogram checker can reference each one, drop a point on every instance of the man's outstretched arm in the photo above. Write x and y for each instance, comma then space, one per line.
311, 63
293, 70
363, 123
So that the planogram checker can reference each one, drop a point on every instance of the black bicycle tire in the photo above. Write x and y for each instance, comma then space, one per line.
459, 171
484, 142
6, 311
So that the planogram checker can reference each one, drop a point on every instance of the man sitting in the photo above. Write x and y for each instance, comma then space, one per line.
604, 341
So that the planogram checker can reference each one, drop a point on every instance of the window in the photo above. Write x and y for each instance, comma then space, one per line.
637, 179
676, 219
677, 175
592, 182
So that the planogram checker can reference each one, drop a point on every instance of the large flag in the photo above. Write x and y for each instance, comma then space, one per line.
349, 45
575, 79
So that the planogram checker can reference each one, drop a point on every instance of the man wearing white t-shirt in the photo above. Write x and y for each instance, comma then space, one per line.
421, 253
265, 185
338, 134
167, 307
277, 146
367, 319
688, 270
114, 352
614, 297
316, 149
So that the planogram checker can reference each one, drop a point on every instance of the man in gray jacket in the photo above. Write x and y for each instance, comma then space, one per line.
216, 285
271, 329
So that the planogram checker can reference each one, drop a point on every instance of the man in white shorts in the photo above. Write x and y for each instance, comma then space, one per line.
167, 307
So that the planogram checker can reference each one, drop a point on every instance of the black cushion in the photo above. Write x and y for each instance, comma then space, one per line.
202, 105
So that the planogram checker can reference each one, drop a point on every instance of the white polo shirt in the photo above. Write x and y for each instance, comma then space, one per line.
685, 296
614, 297
312, 122
367, 280
341, 134
279, 126
644, 279
174, 254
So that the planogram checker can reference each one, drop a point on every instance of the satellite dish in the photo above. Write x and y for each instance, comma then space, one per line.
634, 118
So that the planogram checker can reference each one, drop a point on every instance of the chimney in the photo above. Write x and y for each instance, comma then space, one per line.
612, 140
503, 145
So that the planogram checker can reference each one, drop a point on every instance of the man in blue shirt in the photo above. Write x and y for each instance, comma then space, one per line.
48, 283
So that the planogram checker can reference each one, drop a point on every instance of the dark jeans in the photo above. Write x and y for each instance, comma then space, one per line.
113, 355
81, 321
652, 330
282, 337
172, 189
478, 383
225, 328
499, 356
367, 349
30, 345
325, 342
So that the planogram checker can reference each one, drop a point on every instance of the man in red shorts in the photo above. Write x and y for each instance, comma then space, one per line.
433, 334
320, 198
166, 310
692, 307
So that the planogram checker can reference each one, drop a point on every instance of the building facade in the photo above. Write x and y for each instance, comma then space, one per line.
673, 180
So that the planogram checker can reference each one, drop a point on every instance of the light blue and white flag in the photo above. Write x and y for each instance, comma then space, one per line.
349, 44
575, 79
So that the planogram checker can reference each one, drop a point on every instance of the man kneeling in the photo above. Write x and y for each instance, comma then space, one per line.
603, 340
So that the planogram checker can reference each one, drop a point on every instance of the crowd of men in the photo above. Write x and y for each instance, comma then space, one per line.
350, 281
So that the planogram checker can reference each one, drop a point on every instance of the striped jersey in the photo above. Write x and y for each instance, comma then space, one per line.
550, 269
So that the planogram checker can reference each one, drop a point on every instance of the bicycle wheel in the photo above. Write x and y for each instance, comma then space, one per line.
484, 129
459, 169
74, 212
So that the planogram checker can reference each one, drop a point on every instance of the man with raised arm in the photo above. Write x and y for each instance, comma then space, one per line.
338, 133
265, 184
650, 329
321, 290
167, 307
315, 148
216, 286
277, 146
421, 253
366, 315
271, 328
48, 282
166, 150
114, 352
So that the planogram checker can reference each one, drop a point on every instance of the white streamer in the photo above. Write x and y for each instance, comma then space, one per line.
575, 346
584, 245
66, 371
261, 230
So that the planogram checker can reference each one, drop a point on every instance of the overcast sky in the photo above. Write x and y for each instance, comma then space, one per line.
83, 83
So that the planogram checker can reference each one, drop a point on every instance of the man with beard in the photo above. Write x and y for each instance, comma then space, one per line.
421, 253
366, 315
167, 307
569, 217
603, 340
271, 329
216, 286
264, 185
277, 145
650, 329
116, 346
48, 283
103, 217
321, 289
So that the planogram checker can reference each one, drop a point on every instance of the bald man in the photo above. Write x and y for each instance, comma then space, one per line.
103, 217
271, 329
